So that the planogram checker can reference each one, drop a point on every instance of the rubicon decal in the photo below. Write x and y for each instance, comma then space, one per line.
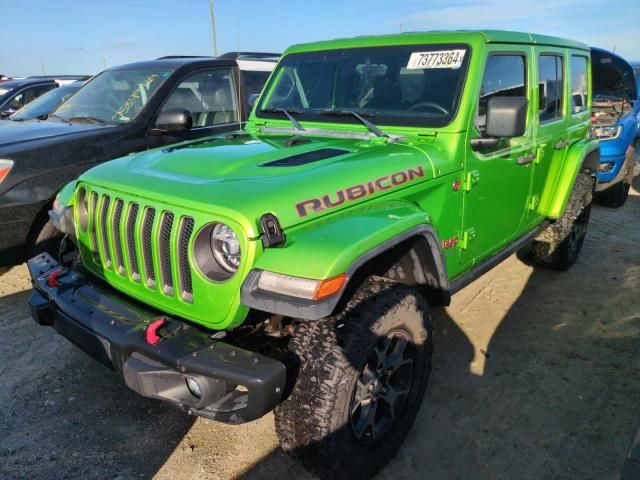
356, 192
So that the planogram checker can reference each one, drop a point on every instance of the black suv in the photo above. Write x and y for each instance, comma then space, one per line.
120, 111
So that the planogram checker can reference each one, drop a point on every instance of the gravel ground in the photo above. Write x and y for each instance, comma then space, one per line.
535, 376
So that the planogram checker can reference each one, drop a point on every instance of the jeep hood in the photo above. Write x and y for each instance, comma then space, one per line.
246, 178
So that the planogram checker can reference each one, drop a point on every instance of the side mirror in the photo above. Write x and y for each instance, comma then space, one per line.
7, 113
253, 98
174, 120
506, 117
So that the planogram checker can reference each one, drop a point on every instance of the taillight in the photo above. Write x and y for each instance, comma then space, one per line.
5, 168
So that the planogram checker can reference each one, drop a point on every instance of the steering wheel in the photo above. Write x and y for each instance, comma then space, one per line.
431, 105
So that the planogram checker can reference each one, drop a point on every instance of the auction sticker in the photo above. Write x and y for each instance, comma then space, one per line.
436, 59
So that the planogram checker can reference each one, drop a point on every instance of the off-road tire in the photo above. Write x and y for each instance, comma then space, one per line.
46, 238
615, 196
314, 424
559, 245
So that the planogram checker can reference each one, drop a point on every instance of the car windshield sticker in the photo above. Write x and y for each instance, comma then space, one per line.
436, 59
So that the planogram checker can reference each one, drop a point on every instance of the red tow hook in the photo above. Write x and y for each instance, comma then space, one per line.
152, 329
52, 278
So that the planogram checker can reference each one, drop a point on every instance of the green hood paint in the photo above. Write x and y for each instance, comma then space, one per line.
230, 179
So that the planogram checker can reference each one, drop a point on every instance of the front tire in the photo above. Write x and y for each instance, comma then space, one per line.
46, 239
361, 380
615, 196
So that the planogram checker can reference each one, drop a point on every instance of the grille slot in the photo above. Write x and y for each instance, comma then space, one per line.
93, 215
184, 271
116, 219
147, 257
164, 252
132, 255
104, 212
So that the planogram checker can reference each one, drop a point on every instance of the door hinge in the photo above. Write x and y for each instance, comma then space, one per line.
534, 201
471, 179
468, 235
540, 153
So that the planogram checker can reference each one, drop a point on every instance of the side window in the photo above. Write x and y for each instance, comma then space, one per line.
579, 82
504, 76
17, 102
550, 87
209, 96
44, 89
30, 94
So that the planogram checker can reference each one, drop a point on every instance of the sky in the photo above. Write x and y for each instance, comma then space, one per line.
85, 36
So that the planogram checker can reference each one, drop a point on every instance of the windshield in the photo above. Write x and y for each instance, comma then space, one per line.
114, 96
415, 85
44, 104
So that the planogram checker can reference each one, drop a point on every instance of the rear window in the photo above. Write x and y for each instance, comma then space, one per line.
550, 87
579, 82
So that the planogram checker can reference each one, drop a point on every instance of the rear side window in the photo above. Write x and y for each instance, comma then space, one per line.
550, 87
579, 79
504, 76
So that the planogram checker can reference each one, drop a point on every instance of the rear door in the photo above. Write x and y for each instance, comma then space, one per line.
498, 178
550, 119
212, 99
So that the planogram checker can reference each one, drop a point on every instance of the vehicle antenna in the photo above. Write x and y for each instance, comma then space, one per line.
213, 29
240, 101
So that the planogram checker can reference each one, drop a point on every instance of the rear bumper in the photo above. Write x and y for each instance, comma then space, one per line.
236, 385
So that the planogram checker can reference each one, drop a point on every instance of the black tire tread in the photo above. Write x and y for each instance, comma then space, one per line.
547, 249
307, 418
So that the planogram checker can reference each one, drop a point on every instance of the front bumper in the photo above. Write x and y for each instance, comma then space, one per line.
622, 170
237, 385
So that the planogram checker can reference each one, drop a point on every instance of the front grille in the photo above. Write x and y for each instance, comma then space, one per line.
142, 243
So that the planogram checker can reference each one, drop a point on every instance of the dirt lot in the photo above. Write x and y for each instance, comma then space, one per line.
536, 375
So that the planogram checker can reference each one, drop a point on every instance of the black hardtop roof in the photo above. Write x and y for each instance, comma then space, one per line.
174, 62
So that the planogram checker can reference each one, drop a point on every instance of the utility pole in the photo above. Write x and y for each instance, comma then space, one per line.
213, 29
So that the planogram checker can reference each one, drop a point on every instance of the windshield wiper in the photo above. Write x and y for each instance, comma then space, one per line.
370, 126
53, 115
88, 119
287, 113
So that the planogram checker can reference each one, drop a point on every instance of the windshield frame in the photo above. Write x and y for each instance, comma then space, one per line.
380, 119
167, 71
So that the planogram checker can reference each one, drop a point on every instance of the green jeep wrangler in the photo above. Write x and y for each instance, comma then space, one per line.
292, 266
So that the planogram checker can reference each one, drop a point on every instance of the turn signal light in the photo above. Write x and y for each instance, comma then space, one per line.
298, 287
5, 168
330, 286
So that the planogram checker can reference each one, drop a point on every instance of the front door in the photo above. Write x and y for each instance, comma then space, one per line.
498, 178
211, 97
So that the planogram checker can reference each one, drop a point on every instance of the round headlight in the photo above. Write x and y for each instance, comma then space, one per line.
225, 247
83, 209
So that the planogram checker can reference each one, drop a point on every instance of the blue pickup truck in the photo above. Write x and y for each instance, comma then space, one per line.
616, 123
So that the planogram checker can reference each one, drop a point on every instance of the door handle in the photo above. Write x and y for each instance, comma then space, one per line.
526, 159
561, 144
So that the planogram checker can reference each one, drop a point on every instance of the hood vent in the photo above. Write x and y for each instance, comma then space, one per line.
306, 157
